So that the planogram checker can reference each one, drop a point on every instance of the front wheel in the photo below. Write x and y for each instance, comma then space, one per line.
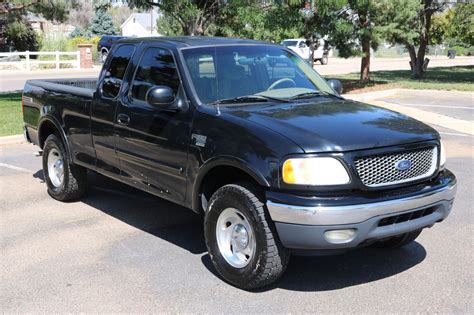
241, 240
65, 181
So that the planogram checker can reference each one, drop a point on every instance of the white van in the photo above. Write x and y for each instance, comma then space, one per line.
299, 46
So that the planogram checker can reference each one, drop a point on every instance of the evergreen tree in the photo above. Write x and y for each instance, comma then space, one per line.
102, 23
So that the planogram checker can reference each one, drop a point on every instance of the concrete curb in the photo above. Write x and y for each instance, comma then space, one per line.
8, 140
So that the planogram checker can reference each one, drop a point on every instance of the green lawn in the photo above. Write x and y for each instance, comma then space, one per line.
11, 118
459, 78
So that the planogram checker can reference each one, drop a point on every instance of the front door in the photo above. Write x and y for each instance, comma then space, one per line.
152, 141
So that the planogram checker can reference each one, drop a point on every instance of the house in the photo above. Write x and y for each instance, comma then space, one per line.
140, 24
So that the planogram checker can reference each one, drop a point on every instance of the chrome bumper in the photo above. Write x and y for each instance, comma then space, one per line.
337, 215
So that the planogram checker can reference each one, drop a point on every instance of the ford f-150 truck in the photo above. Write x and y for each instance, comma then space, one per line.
249, 135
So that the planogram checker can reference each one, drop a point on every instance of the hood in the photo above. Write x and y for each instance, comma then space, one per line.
329, 125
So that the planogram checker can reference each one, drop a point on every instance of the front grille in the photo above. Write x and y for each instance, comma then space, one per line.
406, 216
381, 170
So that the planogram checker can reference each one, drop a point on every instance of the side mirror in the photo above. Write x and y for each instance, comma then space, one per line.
161, 96
336, 85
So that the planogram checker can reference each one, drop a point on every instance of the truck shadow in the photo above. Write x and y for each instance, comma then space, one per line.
183, 228
326, 273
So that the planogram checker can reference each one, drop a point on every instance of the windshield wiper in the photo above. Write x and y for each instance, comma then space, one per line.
313, 93
248, 98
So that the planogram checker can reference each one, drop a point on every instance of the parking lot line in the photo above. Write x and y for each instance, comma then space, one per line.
16, 168
432, 105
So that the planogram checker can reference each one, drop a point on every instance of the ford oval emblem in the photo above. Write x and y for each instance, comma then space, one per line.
403, 165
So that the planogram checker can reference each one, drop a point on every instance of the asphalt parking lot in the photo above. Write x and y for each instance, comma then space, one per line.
122, 250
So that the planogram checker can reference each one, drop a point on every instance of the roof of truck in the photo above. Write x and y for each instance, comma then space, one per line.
183, 41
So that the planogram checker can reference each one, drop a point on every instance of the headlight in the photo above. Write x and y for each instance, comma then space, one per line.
442, 155
315, 171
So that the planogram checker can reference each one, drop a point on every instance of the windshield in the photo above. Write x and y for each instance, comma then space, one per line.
289, 43
228, 72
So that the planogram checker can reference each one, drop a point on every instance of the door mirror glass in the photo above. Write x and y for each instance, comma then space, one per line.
336, 85
161, 96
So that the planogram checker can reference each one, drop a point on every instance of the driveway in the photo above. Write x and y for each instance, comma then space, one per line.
122, 250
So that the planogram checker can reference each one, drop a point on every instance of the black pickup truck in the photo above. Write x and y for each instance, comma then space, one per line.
249, 135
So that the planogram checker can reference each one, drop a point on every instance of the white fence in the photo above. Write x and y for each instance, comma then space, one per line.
27, 62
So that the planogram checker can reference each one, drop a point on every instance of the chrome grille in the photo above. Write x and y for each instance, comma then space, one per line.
380, 170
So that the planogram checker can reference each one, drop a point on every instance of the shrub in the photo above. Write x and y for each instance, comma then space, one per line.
22, 36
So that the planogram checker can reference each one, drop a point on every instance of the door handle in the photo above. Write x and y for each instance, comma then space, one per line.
123, 119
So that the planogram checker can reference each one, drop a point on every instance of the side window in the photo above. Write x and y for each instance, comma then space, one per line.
116, 70
157, 67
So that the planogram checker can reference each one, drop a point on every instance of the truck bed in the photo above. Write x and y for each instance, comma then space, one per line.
84, 87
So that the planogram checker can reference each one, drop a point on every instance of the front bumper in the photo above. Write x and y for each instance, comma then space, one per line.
302, 224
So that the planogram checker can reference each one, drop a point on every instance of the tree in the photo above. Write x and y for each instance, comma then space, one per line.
194, 17
441, 25
22, 36
102, 23
80, 15
168, 26
410, 25
462, 27
52, 10
260, 20
350, 27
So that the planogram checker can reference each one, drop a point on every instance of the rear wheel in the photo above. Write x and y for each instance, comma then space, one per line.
399, 241
64, 180
241, 240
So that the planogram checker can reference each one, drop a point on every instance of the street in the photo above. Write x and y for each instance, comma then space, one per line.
15, 80
122, 250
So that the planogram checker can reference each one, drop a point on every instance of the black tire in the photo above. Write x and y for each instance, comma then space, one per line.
74, 183
324, 60
399, 241
270, 259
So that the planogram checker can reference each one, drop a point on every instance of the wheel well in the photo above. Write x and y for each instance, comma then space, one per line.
218, 177
47, 128
104, 50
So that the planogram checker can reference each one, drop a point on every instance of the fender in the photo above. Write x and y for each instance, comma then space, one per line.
55, 122
224, 161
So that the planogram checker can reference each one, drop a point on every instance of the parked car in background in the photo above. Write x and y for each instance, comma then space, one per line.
104, 45
249, 135
299, 46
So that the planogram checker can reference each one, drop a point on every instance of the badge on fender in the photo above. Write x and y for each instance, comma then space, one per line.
199, 140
